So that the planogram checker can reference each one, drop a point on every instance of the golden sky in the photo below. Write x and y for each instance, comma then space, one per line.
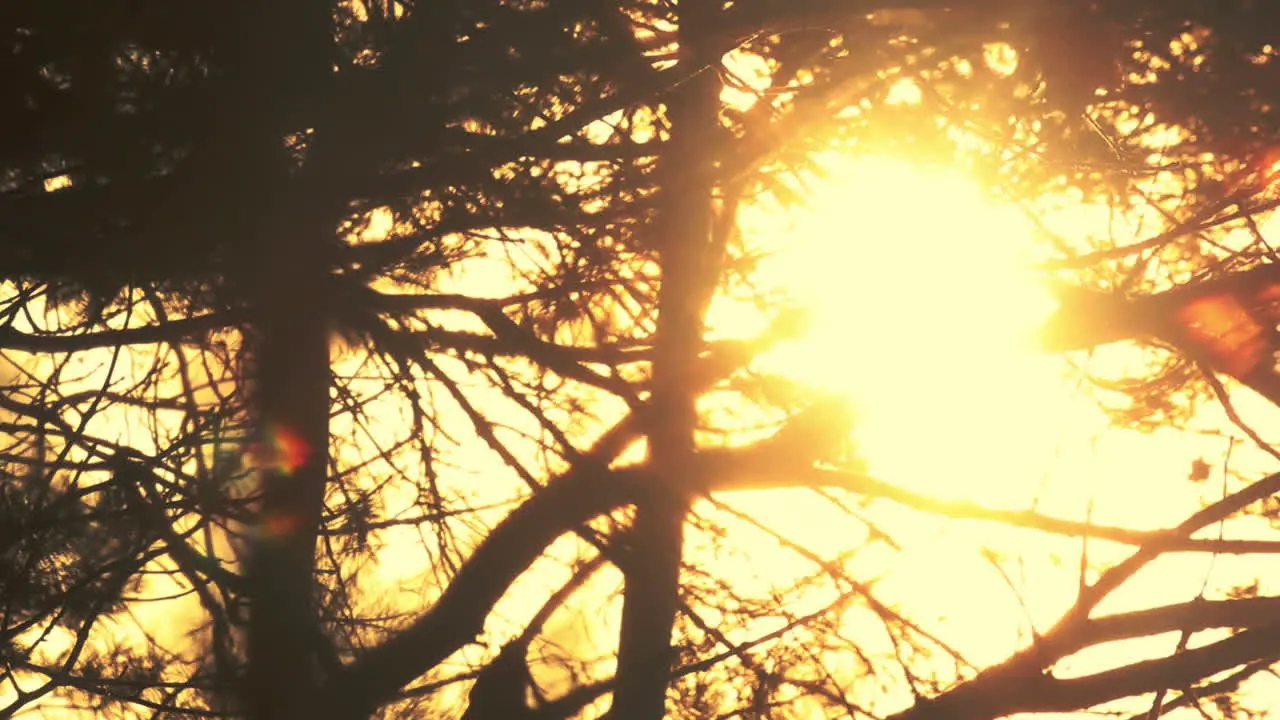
926, 302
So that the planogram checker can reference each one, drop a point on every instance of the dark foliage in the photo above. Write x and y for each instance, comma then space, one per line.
182, 181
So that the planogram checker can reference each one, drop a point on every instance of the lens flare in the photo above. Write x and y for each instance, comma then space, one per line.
281, 449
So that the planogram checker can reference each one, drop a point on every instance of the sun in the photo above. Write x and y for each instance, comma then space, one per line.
924, 303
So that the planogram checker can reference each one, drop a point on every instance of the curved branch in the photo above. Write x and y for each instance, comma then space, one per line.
1005, 692
1195, 616
459, 615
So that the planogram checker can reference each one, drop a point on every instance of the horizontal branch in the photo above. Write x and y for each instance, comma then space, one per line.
172, 331
1160, 540
1206, 218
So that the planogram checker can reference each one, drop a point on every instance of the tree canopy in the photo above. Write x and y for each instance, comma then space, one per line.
359, 361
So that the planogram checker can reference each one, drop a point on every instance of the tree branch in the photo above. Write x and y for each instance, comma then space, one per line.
173, 331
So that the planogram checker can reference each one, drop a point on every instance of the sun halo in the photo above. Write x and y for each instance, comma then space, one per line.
924, 303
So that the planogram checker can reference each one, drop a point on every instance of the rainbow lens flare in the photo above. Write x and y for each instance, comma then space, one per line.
281, 449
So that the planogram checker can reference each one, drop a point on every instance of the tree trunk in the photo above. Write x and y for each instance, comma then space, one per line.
689, 274
287, 57
292, 392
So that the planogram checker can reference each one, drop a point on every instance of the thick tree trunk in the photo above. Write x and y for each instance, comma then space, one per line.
292, 392
287, 56
689, 272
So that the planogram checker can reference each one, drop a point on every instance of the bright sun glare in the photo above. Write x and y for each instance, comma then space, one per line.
924, 303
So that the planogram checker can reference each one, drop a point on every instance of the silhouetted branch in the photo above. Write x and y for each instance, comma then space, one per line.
1020, 688
173, 331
